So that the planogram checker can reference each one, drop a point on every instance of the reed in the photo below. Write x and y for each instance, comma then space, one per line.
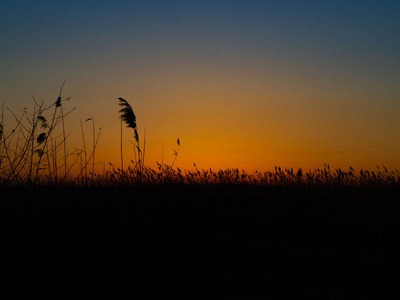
94, 144
176, 153
33, 152
128, 117
84, 149
285, 178
30, 145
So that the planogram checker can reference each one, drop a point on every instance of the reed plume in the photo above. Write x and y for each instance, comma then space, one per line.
176, 152
41, 138
128, 116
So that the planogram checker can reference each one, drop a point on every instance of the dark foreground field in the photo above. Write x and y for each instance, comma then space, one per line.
202, 241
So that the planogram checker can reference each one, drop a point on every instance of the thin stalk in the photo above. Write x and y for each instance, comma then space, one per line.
65, 143
162, 158
176, 153
84, 146
48, 162
55, 160
122, 159
144, 147
90, 157
32, 138
14, 166
51, 128
94, 148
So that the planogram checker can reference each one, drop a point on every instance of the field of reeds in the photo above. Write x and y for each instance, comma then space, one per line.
34, 152
225, 234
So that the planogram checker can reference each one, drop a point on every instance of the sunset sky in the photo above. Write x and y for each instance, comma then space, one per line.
247, 84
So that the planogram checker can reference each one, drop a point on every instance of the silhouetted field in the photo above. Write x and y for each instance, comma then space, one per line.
204, 240
34, 153
68, 231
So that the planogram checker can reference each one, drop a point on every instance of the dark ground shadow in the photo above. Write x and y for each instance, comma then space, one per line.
234, 242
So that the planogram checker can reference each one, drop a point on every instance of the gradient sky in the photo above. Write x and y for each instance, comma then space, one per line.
248, 84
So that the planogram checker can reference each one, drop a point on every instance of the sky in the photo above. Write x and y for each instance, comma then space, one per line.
247, 84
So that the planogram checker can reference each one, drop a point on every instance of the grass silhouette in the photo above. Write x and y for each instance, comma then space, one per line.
284, 233
34, 153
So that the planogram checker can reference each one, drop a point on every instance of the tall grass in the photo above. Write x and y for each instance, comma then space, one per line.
33, 149
128, 117
33, 152
278, 178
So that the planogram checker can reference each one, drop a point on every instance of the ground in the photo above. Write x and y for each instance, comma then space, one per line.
205, 241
